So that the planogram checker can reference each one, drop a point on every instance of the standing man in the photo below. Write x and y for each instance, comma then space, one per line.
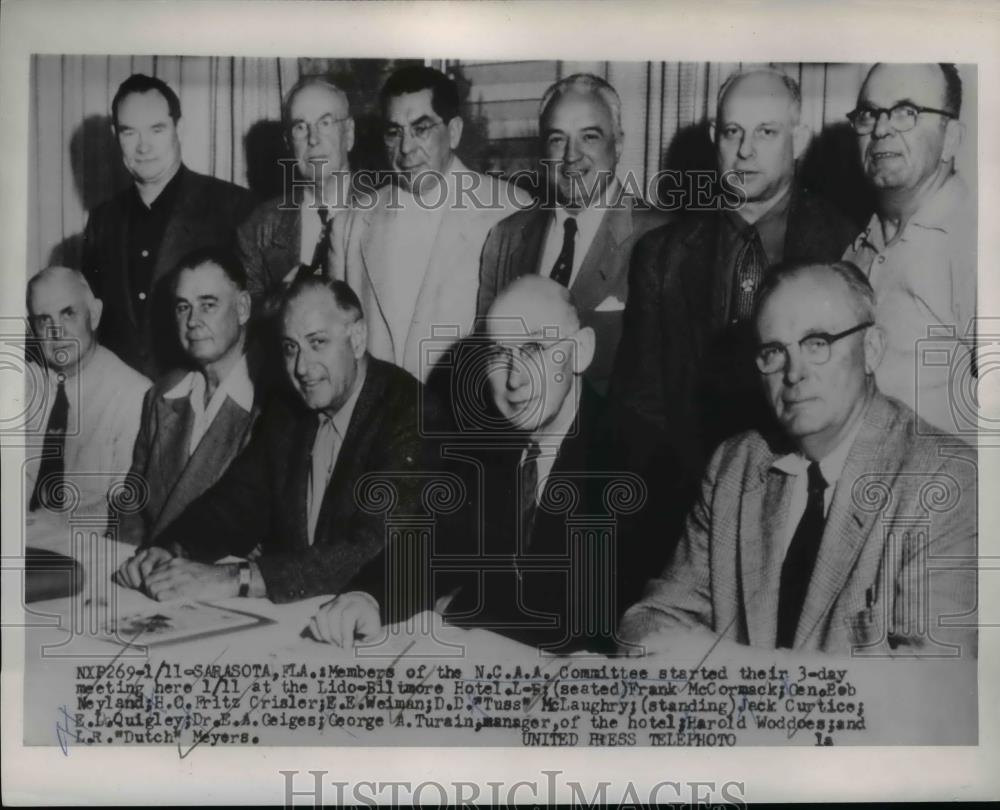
413, 249
684, 375
295, 490
194, 423
133, 240
919, 249
585, 239
825, 536
293, 231
90, 400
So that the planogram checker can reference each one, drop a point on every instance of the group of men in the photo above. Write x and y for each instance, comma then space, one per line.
650, 422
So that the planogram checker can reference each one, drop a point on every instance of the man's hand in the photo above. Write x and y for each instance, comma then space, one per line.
133, 572
340, 619
179, 578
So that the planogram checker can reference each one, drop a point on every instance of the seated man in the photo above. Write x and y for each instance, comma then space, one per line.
293, 490
555, 507
85, 401
855, 528
194, 423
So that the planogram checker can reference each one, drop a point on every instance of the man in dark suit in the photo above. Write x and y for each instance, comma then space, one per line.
294, 230
296, 490
583, 233
133, 240
851, 529
546, 554
195, 422
684, 379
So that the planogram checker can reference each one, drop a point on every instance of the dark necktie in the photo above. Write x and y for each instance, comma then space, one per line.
801, 559
318, 263
751, 262
562, 270
48, 485
529, 491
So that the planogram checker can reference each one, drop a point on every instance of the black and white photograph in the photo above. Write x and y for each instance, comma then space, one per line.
376, 405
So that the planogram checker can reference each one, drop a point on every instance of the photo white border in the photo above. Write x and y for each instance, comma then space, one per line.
721, 31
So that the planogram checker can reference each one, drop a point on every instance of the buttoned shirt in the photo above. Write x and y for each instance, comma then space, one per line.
236, 385
588, 220
925, 293
330, 433
146, 226
796, 465
105, 409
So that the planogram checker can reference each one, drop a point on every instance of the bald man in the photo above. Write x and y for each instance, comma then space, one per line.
294, 232
682, 375
823, 536
919, 249
84, 403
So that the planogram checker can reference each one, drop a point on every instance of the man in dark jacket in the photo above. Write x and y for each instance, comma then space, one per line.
684, 376
133, 240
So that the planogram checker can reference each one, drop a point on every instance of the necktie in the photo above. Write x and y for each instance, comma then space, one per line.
529, 491
801, 559
321, 466
323, 243
563, 268
48, 485
750, 264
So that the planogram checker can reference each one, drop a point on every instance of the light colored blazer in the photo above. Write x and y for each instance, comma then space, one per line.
896, 569
447, 296
173, 477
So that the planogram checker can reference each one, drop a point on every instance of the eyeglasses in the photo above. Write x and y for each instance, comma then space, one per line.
815, 350
419, 132
527, 352
299, 131
902, 117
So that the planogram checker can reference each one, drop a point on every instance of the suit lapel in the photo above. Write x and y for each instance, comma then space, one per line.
373, 254
214, 452
847, 527
762, 520
593, 283
176, 418
526, 256
187, 210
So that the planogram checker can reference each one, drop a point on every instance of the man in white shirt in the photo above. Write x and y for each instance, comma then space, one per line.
84, 401
919, 249
583, 234
195, 421
806, 539
413, 246
295, 232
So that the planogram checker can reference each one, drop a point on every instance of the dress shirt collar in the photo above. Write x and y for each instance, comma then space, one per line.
934, 213
236, 385
163, 200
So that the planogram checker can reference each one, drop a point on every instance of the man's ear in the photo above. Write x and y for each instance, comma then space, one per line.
801, 135
954, 133
455, 126
359, 337
711, 131
874, 348
586, 343
96, 309
349, 133
179, 126
243, 307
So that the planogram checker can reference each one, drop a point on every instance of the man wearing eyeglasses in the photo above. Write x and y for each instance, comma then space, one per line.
919, 249
683, 374
414, 244
135, 239
848, 529
295, 233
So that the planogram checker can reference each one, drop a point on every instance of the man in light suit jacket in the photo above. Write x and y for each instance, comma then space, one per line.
133, 241
297, 489
413, 246
583, 233
295, 230
852, 530
196, 420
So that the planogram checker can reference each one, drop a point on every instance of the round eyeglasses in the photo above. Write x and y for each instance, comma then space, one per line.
814, 348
